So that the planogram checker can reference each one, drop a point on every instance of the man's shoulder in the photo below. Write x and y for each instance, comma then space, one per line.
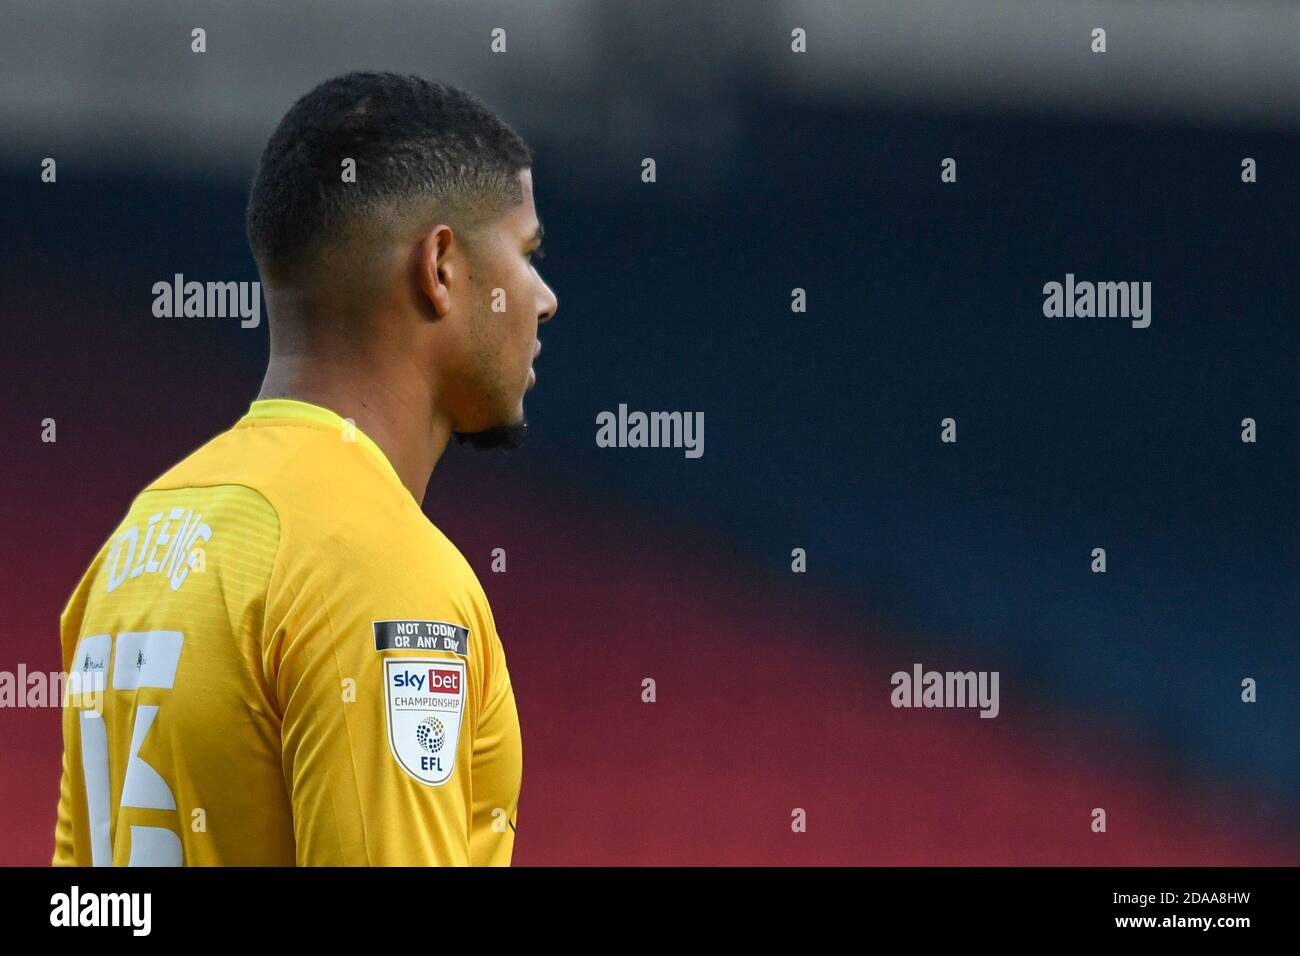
341, 516
276, 458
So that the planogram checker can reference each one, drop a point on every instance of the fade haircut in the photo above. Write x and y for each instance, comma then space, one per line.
418, 145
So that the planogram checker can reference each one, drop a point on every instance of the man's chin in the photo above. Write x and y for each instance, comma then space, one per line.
498, 436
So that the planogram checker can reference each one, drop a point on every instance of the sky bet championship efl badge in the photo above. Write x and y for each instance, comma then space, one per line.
425, 695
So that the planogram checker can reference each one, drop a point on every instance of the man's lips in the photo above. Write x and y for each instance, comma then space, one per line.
532, 374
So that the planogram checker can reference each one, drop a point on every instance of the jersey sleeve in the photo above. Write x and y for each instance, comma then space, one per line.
499, 761
64, 847
377, 668
72, 804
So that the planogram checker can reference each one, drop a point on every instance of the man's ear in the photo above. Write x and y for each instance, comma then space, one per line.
438, 268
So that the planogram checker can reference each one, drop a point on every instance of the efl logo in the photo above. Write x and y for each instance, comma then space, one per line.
426, 697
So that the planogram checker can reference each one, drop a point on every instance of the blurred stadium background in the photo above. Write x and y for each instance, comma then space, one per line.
775, 170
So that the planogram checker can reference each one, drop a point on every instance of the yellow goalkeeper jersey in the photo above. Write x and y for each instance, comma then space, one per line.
277, 659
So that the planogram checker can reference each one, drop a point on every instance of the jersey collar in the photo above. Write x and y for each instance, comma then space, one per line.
296, 409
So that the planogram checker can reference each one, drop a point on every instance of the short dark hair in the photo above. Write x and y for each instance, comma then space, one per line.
412, 139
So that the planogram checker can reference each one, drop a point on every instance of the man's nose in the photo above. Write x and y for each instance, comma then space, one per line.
550, 305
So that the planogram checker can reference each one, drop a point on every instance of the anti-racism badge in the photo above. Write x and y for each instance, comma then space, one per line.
421, 636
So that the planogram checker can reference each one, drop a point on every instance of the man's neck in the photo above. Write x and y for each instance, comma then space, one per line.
392, 409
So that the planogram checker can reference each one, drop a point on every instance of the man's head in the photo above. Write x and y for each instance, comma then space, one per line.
392, 218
